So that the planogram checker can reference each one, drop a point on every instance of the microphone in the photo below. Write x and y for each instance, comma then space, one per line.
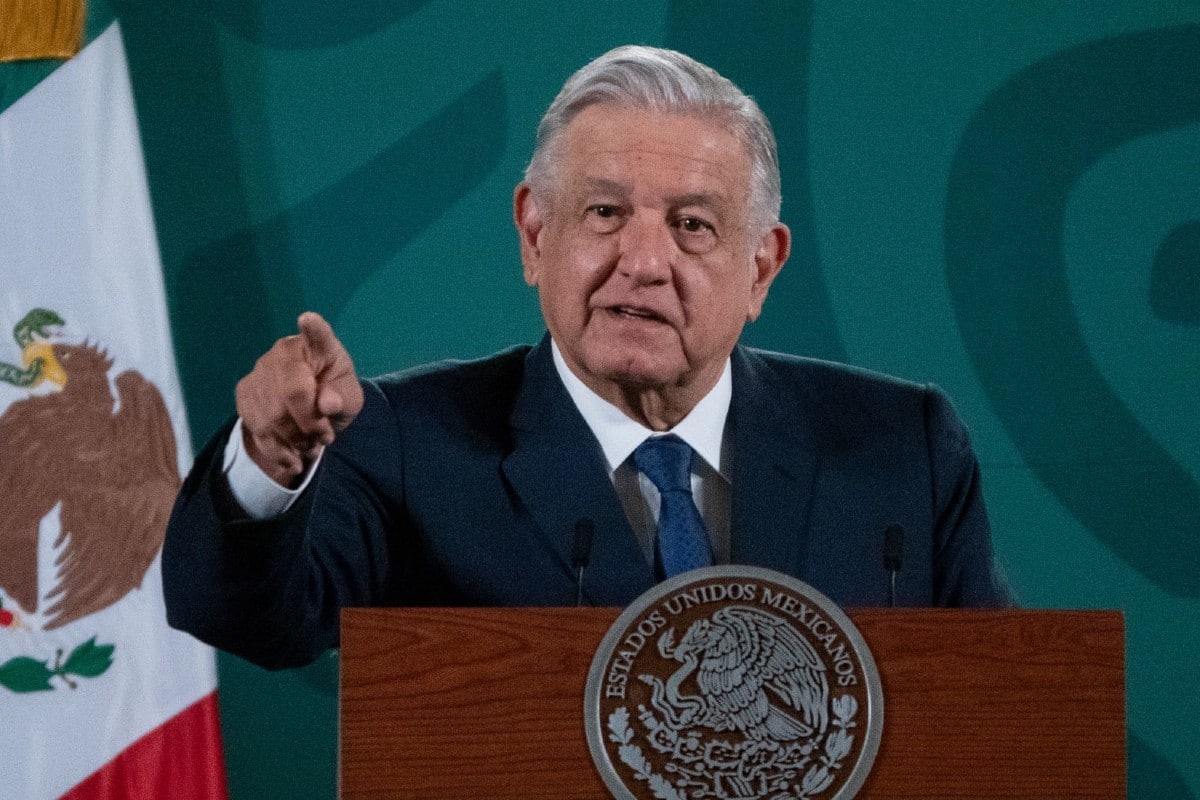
893, 557
581, 553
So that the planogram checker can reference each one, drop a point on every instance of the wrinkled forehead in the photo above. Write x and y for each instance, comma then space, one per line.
622, 125
619, 147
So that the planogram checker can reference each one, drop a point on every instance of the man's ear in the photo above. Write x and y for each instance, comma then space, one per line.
769, 258
529, 218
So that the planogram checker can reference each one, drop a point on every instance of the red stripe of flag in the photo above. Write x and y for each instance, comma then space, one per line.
180, 759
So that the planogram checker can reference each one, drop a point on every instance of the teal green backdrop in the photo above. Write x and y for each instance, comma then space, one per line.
1002, 198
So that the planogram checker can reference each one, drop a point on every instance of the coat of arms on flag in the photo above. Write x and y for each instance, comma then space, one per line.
106, 463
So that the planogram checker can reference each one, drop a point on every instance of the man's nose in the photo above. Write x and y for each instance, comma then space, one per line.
647, 249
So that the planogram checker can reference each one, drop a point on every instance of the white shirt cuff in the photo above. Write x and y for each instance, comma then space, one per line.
258, 495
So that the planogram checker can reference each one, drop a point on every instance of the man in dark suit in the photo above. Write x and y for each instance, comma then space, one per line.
649, 225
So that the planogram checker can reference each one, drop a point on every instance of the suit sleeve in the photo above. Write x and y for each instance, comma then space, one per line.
965, 570
271, 590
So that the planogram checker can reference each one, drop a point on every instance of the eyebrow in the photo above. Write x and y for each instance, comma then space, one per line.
605, 186
705, 199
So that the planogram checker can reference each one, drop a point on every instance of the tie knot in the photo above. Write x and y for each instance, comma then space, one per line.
667, 462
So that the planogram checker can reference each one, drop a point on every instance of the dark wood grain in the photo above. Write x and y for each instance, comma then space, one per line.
999, 704
487, 703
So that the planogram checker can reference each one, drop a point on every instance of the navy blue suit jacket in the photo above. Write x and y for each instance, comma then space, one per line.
460, 483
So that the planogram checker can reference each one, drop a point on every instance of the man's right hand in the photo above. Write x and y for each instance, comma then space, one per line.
300, 395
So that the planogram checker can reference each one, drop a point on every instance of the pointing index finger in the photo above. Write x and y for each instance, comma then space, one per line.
321, 346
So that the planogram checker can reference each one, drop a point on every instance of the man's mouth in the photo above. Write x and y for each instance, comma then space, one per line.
634, 312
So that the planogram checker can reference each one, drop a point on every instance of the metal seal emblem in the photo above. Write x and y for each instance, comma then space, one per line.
733, 683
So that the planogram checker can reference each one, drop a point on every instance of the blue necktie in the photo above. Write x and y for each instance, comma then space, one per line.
682, 538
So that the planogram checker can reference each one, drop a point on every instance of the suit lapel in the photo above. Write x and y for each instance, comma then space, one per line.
774, 469
557, 470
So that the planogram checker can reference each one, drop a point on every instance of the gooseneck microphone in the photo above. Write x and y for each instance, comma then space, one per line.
581, 553
893, 557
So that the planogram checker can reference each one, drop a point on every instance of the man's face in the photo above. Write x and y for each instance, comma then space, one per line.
646, 262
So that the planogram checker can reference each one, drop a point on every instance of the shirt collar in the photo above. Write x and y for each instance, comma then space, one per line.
703, 428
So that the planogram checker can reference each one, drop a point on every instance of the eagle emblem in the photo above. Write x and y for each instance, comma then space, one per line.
97, 449
755, 675
770, 692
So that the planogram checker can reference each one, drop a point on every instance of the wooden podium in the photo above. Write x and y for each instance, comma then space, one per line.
488, 703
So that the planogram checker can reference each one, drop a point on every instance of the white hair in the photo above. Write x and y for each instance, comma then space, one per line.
666, 81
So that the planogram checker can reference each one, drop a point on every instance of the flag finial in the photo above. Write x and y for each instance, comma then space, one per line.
33, 29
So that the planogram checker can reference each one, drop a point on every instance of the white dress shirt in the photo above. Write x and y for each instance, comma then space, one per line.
618, 435
256, 492
704, 431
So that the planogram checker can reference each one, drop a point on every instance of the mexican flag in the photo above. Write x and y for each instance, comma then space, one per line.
98, 697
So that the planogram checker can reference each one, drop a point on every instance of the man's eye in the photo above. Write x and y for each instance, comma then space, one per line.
694, 225
695, 235
604, 218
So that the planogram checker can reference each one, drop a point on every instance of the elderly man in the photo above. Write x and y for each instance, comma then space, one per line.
649, 225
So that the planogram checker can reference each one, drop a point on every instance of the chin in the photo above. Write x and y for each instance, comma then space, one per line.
637, 371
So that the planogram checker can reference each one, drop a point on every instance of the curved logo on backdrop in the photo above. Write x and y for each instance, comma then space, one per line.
733, 682
87, 476
360, 221
1022, 153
